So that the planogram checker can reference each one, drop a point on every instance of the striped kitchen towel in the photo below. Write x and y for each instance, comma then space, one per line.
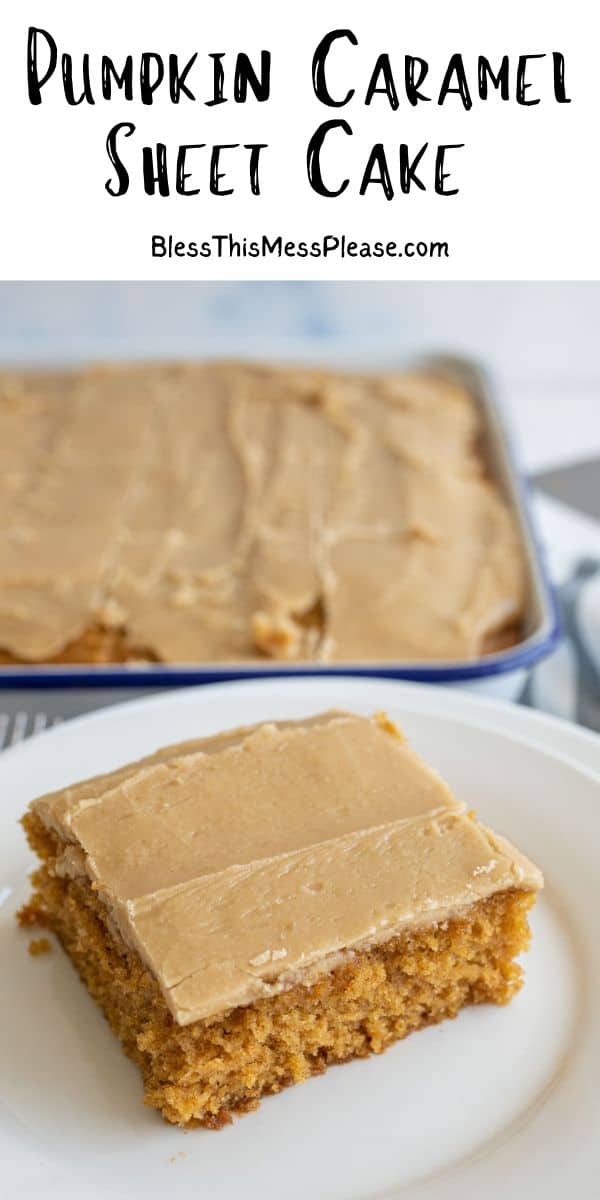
567, 683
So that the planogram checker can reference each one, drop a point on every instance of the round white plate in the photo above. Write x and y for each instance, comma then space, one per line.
501, 1101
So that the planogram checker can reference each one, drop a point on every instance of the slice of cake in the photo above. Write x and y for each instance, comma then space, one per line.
249, 908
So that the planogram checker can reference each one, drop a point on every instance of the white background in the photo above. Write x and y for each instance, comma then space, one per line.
527, 207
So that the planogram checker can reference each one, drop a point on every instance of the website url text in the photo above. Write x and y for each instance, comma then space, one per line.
337, 246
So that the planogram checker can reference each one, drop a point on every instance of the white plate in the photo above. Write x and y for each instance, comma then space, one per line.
499, 1096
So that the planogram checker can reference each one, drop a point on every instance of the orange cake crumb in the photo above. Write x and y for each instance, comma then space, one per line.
39, 946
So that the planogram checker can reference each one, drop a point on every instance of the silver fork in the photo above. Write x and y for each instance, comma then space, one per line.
15, 727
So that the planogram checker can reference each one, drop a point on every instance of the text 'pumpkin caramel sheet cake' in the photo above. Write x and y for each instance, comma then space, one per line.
227, 513
251, 907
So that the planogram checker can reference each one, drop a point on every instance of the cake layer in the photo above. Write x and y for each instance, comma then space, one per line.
226, 512
239, 865
206, 1072
229, 939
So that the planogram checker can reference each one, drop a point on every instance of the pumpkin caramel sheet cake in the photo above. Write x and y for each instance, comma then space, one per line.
253, 907
231, 513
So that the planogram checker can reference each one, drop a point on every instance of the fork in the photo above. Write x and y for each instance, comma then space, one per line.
15, 727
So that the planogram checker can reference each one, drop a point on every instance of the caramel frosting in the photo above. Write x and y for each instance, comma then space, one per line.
241, 864
227, 512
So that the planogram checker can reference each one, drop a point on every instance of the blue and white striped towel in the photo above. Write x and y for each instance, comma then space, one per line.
567, 683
